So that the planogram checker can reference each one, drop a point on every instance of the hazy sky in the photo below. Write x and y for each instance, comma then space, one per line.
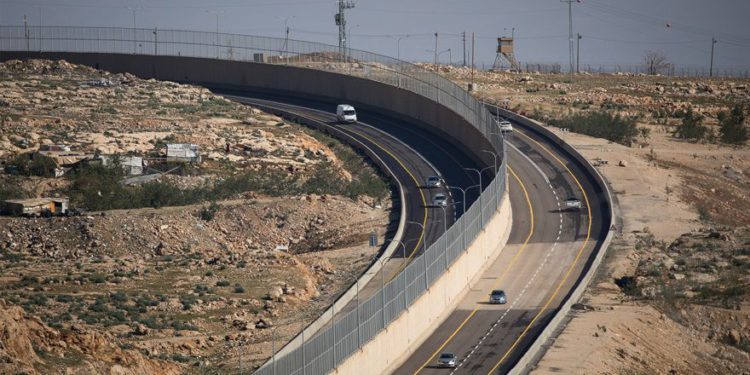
614, 31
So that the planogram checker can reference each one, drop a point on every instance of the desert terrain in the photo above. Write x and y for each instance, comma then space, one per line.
199, 267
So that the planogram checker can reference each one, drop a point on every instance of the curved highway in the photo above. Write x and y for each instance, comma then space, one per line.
547, 250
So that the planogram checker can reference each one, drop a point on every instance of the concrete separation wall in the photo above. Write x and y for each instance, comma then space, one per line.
287, 80
556, 324
391, 347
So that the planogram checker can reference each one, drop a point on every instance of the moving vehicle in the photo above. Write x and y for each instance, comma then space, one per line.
346, 114
447, 360
573, 203
506, 126
433, 182
498, 297
440, 200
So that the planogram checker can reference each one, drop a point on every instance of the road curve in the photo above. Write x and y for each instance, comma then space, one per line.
547, 251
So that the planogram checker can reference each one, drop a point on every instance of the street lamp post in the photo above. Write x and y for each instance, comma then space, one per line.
494, 156
216, 42
398, 46
349, 41
424, 261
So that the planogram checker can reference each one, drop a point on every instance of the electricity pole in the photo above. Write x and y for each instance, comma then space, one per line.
578, 53
436, 51
463, 38
570, 34
711, 69
340, 18
471, 88
135, 38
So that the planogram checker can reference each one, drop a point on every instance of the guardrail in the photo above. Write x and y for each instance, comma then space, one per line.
345, 335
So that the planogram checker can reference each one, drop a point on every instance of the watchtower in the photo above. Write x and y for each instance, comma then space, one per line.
505, 53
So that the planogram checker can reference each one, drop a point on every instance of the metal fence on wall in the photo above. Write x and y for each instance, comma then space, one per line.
346, 334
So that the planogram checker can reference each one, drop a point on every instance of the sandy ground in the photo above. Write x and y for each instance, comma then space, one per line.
624, 337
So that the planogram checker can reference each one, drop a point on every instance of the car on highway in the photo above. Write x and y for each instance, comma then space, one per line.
498, 297
346, 114
433, 182
440, 200
447, 360
506, 126
573, 203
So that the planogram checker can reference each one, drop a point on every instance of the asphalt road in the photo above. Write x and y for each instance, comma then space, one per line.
546, 253
548, 249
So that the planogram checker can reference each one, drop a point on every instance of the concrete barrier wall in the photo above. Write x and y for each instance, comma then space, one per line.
289, 81
394, 345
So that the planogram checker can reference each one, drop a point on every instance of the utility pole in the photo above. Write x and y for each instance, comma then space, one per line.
578, 53
472, 61
463, 38
26, 32
135, 39
340, 18
711, 69
436, 51
570, 34
39, 8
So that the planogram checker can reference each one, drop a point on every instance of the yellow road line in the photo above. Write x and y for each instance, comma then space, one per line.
502, 275
421, 193
570, 269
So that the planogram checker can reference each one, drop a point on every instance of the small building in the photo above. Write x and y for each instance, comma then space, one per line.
35, 206
65, 158
186, 153
131, 165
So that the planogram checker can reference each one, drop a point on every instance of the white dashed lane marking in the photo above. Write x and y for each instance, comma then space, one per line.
523, 291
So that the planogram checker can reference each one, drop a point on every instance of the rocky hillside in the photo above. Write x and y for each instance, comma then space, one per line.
189, 272
27, 345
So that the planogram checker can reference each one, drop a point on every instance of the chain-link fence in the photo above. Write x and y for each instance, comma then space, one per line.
345, 334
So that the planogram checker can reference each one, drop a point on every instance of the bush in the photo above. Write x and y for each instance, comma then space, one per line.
601, 124
238, 288
222, 283
32, 164
692, 127
732, 126
208, 213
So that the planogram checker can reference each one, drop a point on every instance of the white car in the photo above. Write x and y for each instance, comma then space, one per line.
346, 114
573, 204
506, 126
440, 200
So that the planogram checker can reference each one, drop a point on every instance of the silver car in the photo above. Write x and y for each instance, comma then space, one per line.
433, 182
440, 200
447, 360
498, 297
